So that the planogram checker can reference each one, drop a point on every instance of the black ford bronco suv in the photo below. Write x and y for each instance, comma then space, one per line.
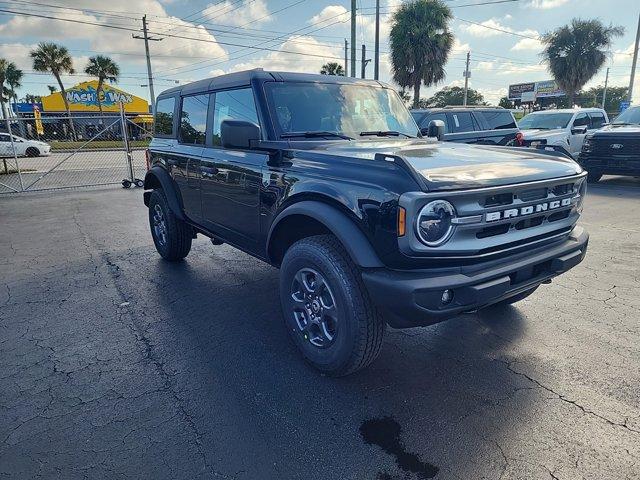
329, 180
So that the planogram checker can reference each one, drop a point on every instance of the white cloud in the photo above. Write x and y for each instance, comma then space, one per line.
485, 66
509, 68
528, 43
332, 12
485, 29
230, 13
547, 4
282, 60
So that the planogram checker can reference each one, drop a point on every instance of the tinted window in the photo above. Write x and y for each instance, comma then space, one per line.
498, 119
164, 116
4, 138
193, 119
597, 119
545, 121
461, 122
233, 105
582, 120
434, 116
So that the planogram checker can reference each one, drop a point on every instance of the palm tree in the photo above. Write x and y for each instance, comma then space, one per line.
13, 78
52, 89
5, 66
332, 68
53, 58
103, 68
574, 53
420, 42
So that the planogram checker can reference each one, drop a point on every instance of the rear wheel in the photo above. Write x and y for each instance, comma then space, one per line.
171, 236
594, 177
327, 309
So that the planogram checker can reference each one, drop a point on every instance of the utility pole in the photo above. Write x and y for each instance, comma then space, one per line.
146, 39
376, 55
364, 61
467, 74
353, 38
346, 56
633, 64
604, 93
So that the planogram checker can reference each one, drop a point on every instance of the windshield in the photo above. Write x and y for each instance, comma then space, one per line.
545, 121
348, 110
629, 116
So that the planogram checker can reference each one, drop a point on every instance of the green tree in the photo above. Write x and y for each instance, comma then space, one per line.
55, 59
52, 89
5, 69
332, 68
574, 53
505, 103
14, 78
420, 42
104, 69
31, 98
593, 97
453, 96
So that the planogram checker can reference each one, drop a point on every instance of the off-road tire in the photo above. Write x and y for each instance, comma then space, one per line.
179, 234
515, 298
360, 326
594, 177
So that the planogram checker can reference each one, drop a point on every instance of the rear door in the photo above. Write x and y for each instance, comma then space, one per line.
185, 160
462, 127
577, 139
498, 127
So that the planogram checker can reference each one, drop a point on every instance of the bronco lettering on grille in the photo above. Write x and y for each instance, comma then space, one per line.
528, 210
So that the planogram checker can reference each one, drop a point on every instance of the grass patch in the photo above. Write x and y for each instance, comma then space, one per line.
97, 144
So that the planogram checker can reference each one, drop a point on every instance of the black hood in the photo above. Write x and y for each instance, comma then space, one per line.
617, 130
449, 166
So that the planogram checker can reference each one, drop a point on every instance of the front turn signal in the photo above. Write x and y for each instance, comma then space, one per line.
402, 221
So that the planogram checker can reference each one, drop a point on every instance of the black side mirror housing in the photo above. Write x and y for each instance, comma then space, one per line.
239, 134
579, 130
435, 129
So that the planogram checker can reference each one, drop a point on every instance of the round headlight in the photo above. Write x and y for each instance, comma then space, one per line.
434, 223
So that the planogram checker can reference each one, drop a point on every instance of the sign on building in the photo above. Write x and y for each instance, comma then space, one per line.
84, 98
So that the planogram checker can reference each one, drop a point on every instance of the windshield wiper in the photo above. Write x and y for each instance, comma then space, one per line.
384, 133
315, 134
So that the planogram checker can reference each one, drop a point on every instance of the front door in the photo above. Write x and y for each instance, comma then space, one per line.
231, 179
577, 139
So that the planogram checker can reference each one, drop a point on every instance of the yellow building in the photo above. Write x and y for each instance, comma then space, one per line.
84, 98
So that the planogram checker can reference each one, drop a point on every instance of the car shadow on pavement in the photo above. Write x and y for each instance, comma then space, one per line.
226, 344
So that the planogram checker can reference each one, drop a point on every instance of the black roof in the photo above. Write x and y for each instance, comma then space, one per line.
244, 78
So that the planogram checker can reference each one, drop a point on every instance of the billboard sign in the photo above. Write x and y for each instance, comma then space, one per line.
516, 91
548, 88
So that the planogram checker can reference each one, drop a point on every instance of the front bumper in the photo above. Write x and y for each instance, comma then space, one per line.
413, 298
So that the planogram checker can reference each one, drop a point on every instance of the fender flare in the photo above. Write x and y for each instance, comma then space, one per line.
351, 237
158, 176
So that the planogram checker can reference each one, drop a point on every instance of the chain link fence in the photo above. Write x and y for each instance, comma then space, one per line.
66, 153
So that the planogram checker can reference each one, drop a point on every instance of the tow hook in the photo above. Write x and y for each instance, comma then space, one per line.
547, 281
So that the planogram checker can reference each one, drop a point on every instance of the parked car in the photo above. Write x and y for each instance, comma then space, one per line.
23, 147
328, 179
614, 149
483, 125
561, 130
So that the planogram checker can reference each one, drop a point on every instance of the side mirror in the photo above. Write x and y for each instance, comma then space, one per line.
436, 129
239, 134
579, 130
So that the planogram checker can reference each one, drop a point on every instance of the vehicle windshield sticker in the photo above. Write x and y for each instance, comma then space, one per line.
455, 119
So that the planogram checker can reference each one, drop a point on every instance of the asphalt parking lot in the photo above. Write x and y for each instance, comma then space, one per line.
114, 364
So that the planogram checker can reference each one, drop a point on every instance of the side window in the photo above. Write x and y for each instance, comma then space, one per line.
193, 119
582, 120
233, 105
4, 137
498, 119
164, 116
461, 122
435, 116
597, 119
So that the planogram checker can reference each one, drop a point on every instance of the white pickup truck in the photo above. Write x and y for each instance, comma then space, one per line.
561, 130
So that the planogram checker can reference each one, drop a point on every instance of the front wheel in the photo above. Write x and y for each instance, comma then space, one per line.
327, 309
32, 152
171, 236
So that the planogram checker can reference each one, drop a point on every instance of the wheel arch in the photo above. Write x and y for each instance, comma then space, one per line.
314, 217
159, 178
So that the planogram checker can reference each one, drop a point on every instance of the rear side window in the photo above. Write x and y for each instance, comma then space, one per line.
498, 119
193, 119
582, 120
597, 119
233, 105
434, 116
164, 116
461, 122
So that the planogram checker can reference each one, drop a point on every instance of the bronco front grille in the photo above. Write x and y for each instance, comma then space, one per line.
497, 219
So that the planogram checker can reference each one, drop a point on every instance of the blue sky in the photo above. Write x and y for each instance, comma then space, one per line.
297, 35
